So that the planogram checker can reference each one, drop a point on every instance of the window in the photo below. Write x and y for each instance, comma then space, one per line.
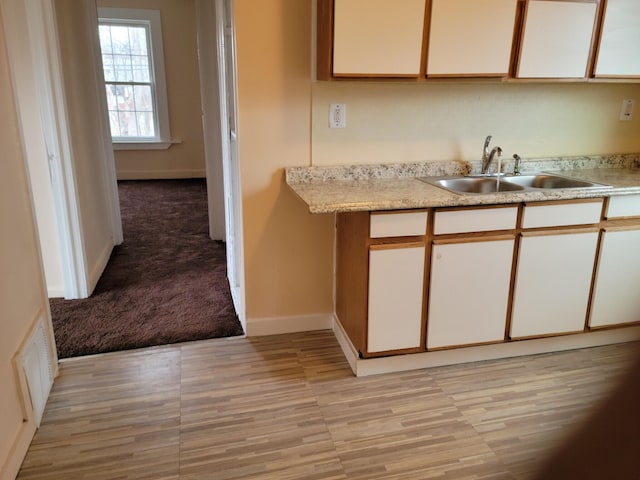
132, 60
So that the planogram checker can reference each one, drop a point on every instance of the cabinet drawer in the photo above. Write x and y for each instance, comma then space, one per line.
627, 206
475, 220
401, 224
548, 215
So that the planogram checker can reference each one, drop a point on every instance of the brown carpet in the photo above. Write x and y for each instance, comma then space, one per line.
166, 283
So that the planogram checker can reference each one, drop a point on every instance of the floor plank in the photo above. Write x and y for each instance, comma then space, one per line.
288, 407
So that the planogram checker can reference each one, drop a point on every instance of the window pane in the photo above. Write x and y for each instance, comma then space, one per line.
123, 68
146, 127
127, 121
143, 100
112, 101
113, 123
105, 38
140, 66
120, 40
138, 40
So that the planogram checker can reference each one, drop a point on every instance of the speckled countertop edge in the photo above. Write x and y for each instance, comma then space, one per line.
394, 186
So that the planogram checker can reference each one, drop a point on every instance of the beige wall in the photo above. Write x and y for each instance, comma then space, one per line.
288, 253
283, 121
391, 123
185, 159
22, 293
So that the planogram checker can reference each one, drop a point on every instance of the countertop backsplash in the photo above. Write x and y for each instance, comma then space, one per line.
442, 168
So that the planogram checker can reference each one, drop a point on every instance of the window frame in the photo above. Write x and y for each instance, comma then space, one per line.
150, 18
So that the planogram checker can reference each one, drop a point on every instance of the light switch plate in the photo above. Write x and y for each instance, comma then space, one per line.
337, 115
626, 112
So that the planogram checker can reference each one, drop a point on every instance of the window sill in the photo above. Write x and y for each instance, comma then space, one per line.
144, 145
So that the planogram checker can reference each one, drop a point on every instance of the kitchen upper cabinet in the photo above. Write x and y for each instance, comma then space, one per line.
378, 37
396, 283
470, 37
557, 38
469, 291
619, 50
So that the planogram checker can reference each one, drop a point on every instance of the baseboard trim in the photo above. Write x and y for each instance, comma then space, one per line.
298, 323
362, 367
349, 351
55, 292
11, 466
160, 174
99, 266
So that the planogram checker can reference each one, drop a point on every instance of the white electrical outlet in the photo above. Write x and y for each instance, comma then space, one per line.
626, 112
337, 115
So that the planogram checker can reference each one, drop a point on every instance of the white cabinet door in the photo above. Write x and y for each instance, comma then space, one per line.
553, 279
557, 39
396, 284
616, 297
469, 292
378, 37
619, 51
470, 37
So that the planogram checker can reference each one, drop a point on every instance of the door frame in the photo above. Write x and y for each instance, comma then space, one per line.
228, 100
40, 33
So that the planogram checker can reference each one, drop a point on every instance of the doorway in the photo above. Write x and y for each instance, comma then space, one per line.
68, 191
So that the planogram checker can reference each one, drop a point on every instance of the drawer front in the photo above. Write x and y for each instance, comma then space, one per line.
402, 224
582, 213
475, 220
626, 206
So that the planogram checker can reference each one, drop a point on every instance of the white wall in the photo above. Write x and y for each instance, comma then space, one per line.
392, 123
23, 297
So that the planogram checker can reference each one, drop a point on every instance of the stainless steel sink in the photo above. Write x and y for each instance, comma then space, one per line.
508, 183
548, 181
473, 184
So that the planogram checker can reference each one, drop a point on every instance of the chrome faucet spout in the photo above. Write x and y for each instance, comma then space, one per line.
487, 156
485, 150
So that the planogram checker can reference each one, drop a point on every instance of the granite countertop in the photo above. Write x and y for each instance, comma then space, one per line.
389, 187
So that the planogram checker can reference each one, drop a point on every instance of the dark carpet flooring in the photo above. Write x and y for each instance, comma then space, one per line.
166, 283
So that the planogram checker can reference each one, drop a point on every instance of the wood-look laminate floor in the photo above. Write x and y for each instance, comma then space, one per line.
288, 407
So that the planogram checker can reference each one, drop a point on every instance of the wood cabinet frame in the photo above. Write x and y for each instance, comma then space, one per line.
352, 264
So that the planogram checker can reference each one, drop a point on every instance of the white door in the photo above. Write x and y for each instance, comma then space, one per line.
231, 173
210, 98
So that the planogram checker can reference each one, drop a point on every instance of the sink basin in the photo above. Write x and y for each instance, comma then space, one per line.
508, 183
472, 184
548, 181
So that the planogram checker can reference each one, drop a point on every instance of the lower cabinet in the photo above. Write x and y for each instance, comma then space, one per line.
553, 279
396, 284
616, 298
469, 291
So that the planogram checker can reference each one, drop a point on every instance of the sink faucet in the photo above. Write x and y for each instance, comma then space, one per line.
516, 165
487, 156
